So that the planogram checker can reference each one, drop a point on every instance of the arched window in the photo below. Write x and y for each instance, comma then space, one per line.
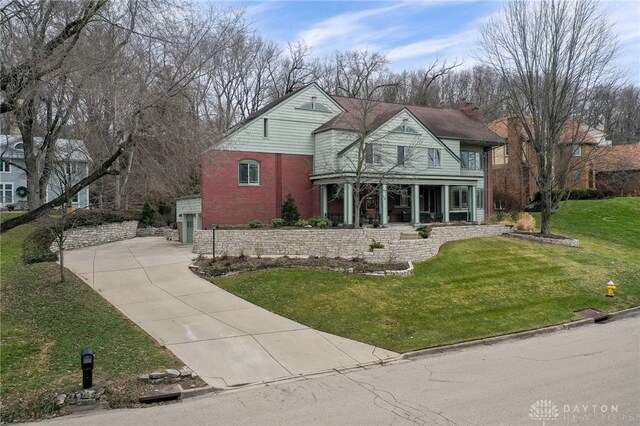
249, 172
19, 146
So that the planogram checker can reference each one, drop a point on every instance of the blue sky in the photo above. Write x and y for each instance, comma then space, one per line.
411, 33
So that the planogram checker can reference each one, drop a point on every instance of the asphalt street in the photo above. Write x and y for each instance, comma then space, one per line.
587, 375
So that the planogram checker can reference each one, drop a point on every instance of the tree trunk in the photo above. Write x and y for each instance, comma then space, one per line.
545, 213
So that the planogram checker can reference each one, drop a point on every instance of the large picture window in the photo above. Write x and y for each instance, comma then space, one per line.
433, 157
249, 172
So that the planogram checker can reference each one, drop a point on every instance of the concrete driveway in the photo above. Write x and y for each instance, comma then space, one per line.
223, 338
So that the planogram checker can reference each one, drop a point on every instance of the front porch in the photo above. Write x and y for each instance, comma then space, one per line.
412, 204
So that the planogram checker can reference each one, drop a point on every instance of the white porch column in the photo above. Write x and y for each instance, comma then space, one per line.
415, 204
445, 203
384, 214
348, 204
471, 202
324, 201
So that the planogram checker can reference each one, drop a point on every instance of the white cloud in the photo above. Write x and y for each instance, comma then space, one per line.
431, 46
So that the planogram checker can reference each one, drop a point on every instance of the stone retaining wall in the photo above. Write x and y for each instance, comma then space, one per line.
420, 250
150, 231
345, 243
94, 235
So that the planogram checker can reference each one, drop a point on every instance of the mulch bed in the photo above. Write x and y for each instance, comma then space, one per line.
231, 265
539, 235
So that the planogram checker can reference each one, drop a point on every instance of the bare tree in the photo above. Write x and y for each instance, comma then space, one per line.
551, 55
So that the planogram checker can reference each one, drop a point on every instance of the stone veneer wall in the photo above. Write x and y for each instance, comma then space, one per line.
94, 235
346, 243
423, 249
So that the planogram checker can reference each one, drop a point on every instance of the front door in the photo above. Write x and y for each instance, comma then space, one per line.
188, 237
432, 202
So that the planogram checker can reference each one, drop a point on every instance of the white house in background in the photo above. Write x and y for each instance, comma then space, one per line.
72, 161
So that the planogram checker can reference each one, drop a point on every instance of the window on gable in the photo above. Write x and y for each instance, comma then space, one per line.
371, 156
405, 128
434, 157
577, 150
265, 128
314, 105
249, 172
5, 167
404, 155
19, 146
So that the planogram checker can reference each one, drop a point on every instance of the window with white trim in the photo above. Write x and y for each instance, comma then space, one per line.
479, 198
5, 167
405, 128
371, 156
6, 189
404, 155
471, 160
434, 156
459, 198
577, 151
249, 172
265, 128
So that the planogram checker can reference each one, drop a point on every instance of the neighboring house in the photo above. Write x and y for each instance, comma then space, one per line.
72, 165
514, 164
427, 164
618, 170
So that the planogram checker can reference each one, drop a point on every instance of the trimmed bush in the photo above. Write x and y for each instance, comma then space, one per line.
35, 248
424, 231
320, 222
290, 212
256, 224
301, 223
277, 223
149, 212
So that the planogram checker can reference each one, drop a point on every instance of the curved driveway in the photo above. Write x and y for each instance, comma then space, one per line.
226, 340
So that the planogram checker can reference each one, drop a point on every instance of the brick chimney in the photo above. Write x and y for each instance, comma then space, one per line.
470, 110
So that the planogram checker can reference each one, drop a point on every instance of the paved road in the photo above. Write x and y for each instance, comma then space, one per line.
591, 375
225, 339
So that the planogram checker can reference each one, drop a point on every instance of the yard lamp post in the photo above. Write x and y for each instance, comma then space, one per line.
213, 239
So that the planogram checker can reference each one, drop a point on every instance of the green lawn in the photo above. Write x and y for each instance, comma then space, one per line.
45, 324
472, 289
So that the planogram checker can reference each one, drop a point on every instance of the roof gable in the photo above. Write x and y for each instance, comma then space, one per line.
443, 123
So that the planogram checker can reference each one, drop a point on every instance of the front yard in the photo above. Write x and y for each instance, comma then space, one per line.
46, 323
472, 289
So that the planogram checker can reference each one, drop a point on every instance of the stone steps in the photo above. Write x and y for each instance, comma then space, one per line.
409, 235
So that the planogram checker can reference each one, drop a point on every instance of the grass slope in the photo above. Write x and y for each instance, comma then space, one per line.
45, 324
472, 289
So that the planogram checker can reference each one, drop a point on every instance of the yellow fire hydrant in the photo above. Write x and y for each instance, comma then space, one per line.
611, 289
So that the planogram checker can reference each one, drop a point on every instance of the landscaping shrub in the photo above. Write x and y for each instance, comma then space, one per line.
301, 223
277, 222
424, 231
525, 222
320, 222
256, 224
149, 212
11, 207
290, 212
375, 245
35, 248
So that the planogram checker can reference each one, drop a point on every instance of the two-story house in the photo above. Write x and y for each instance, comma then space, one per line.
424, 164
72, 164
515, 164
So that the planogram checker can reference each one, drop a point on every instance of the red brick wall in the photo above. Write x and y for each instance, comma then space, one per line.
224, 201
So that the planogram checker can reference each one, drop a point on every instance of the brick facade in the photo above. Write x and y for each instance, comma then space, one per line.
226, 201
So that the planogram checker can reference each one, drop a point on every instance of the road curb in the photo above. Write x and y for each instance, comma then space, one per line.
190, 393
519, 335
